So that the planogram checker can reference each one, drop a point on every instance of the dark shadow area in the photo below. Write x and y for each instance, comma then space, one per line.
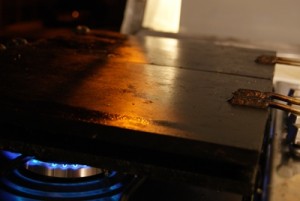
104, 14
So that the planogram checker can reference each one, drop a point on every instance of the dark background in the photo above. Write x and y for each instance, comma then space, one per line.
105, 14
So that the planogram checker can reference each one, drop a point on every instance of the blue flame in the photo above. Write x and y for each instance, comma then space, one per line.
63, 166
12, 155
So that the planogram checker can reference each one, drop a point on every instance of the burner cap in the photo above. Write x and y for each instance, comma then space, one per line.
61, 170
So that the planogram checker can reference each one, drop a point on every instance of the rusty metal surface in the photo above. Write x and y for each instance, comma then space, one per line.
263, 100
272, 60
252, 98
267, 60
145, 105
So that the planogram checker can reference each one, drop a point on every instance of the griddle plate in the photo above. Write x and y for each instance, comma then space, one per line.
146, 105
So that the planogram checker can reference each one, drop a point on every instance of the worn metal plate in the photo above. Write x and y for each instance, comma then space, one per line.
149, 105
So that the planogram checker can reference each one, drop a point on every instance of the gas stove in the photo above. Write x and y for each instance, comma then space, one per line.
92, 114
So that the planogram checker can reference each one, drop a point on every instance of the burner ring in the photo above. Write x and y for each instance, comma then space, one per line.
25, 185
18, 183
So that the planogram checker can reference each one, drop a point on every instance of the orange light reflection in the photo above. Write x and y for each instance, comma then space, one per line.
130, 89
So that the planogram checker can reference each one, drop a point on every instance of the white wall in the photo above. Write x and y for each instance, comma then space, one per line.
162, 15
254, 20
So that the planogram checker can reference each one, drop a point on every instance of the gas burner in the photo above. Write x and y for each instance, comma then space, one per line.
37, 180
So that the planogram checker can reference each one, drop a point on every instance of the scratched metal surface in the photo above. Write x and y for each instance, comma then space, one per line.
134, 101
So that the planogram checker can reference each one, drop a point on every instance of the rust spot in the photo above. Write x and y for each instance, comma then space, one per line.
252, 98
266, 59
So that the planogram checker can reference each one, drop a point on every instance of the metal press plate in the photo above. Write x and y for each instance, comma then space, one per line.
144, 105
